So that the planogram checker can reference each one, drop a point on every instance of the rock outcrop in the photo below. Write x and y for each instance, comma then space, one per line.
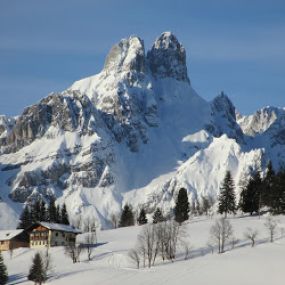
167, 58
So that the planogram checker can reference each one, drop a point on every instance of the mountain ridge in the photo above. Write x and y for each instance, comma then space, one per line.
134, 133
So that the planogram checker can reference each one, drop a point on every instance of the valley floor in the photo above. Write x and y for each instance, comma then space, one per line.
263, 264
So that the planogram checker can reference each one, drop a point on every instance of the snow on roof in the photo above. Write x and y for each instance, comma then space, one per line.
59, 227
9, 234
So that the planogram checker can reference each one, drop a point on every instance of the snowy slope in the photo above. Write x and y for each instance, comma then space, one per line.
261, 265
136, 132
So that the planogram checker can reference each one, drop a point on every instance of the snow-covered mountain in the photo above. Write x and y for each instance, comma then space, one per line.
134, 133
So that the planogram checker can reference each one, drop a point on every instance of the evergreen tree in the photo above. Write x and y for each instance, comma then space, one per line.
3, 271
25, 218
182, 207
193, 208
52, 213
198, 207
268, 183
37, 272
127, 217
227, 199
250, 197
43, 211
64, 215
206, 206
158, 216
142, 217
36, 211
58, 214
278, 194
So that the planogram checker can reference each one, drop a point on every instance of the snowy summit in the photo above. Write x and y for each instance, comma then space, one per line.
134, 133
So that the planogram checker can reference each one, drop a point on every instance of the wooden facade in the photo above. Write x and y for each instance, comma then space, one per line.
49, 235
39, 235
13, 239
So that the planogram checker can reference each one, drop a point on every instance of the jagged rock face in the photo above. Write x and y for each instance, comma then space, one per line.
67, 111
6, 125
123, 93
267, 123
167, 58
224, 119
259, 122
276, 129
127, 55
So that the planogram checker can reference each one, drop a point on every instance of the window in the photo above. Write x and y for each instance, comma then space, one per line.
56, 234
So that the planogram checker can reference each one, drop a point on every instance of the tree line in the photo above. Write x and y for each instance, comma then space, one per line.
181, 212
39, 211
257, 193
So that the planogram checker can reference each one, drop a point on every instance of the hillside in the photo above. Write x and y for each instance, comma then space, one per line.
261, 265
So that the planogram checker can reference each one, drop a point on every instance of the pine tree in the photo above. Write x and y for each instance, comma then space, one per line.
127, 217
158, 216
182, 207
250, 197
142, 217
52, 215
205, 205
227, 200
269, 185
3, 271
25, 218
64, 215
58, 214
278, 194
36, 211
198, 207
37, 272
43, 211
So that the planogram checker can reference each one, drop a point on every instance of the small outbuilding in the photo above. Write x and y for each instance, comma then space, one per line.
12, 239
44, 234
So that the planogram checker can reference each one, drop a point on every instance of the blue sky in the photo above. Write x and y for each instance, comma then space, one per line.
233, 45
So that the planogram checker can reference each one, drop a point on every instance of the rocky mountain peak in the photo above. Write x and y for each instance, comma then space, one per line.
127, 55
223, 104
224, 118
261, 121
167, 58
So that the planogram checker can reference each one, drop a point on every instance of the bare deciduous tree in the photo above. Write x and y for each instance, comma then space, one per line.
89, 244
233, 241
147, 242
115, 220
220, 233
73, 250
134, 255
271, 226
159, 239
251, 234
90, 238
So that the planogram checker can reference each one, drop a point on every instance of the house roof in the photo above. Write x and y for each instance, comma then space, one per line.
59, 227
9, 234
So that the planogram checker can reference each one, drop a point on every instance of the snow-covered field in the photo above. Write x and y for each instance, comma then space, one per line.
263, 264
